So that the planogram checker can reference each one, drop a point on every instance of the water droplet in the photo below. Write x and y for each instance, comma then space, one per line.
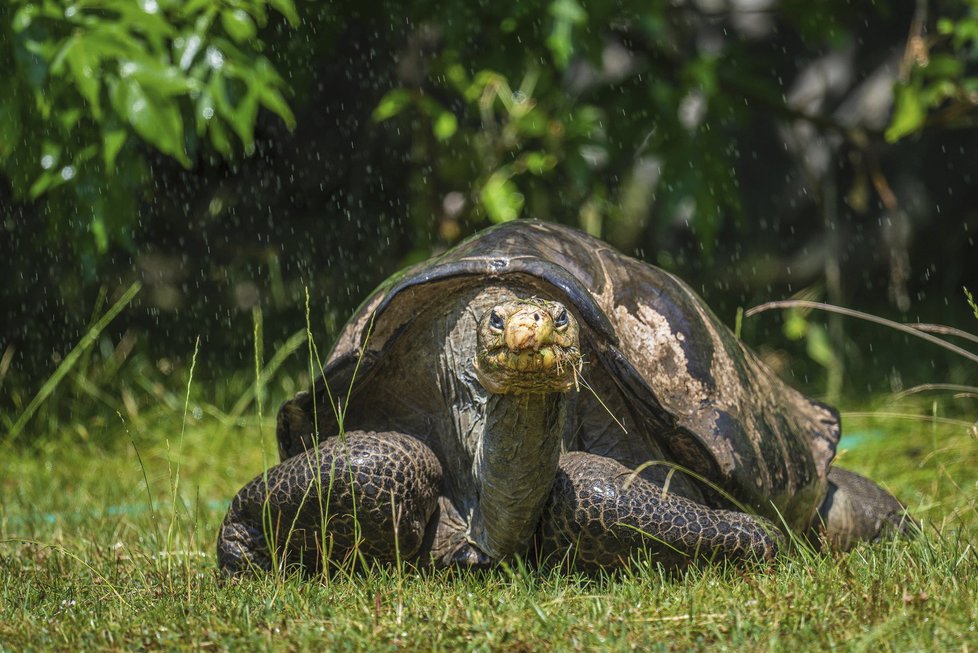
208, 113
214, 58
68, 173
193, 47
47, 161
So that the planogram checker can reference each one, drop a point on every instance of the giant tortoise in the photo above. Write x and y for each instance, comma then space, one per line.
534, 392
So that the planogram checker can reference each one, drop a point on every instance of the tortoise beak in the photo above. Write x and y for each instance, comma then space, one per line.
530, 328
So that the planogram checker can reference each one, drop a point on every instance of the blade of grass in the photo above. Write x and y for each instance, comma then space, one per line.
295, 341
908, 416
259, 339
149, 492
175, 475
927, 387
5, 360
70, 360
848, 312
943, 330
65, 552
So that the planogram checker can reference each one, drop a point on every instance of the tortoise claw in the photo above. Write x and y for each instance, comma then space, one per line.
469, 556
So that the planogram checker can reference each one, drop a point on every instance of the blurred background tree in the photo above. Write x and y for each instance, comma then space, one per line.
231, 154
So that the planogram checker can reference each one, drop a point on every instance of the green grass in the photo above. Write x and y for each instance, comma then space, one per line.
101, 547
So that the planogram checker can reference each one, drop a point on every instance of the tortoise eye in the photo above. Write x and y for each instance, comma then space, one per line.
496, 322
561, 321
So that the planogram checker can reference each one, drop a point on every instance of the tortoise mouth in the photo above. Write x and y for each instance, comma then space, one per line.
551, 368
528, 346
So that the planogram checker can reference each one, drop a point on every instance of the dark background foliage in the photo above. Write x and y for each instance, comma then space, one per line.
760, 150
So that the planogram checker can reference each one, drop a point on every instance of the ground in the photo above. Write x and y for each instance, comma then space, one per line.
110, 545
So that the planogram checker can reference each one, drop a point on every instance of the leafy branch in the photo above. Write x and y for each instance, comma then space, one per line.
92, 79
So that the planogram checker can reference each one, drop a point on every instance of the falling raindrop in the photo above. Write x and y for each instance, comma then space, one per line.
214, 58
193, 44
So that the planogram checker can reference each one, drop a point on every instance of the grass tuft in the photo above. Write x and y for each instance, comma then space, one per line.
84, 566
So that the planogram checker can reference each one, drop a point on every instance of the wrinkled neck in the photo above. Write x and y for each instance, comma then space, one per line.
515, 464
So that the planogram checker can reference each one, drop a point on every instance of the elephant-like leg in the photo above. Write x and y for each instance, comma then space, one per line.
372, 492
856, 509
600, 513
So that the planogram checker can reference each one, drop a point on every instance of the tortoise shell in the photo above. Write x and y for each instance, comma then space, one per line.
684, 387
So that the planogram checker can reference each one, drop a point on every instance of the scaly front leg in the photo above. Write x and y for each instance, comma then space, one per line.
600, 513
374, 492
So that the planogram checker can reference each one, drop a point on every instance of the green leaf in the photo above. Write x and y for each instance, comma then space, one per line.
274, 101
908, 113
83, 67
501, 199
219, 138
560, 44
446, 124
159, 79
795, 326
391, 104
245, 116
818, 346
191, 8
287, 9
156, 119
944, 65
457, 76
567, 14
100, 233
23, 18
568, 11
239, 112
44, 182
238, 24
113, 138
971, 302
702, 73
113, 45
204, 112
69, 117
10, 125
538, 163
933, 94
533, 124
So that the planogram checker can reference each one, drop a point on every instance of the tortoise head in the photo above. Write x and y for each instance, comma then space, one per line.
528, 346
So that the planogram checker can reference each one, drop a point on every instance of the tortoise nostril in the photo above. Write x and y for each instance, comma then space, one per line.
536, 317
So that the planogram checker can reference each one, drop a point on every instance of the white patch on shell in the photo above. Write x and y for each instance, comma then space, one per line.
730, 384
758, 392
663, 347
